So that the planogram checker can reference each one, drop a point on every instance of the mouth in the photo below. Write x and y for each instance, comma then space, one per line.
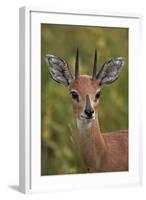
86, 117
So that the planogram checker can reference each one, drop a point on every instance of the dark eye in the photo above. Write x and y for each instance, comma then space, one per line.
75, 96
97, 95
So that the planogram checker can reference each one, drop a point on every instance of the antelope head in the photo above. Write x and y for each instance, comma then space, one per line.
85, 90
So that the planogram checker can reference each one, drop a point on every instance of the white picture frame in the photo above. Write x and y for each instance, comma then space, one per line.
30, 176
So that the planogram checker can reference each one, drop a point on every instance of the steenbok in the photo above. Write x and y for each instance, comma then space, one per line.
100, 152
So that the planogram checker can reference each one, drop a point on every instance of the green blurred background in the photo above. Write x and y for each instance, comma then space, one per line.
59, 153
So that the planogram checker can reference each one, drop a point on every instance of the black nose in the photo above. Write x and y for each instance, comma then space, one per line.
89, 113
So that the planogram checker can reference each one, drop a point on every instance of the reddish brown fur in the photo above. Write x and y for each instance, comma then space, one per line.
100, 152
85, 85
117, 151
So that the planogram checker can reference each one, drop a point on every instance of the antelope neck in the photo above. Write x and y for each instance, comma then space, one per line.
90, 129
90, 138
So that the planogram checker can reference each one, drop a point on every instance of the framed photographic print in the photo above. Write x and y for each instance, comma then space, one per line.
79, 118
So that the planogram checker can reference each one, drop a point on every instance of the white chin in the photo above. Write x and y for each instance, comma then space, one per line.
84, 123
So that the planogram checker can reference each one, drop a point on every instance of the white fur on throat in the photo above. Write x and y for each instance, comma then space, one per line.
84, 123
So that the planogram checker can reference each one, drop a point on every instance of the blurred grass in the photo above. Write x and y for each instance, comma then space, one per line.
59, 155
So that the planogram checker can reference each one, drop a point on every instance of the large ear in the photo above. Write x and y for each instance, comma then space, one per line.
110, 71
59, 70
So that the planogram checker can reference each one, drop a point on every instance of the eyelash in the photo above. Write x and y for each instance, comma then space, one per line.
75, 96
97, 95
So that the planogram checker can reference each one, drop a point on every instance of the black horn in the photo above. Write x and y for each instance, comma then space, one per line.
77, 65
94, 65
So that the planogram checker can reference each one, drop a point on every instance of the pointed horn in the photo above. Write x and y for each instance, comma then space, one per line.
94, 65
77, 65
